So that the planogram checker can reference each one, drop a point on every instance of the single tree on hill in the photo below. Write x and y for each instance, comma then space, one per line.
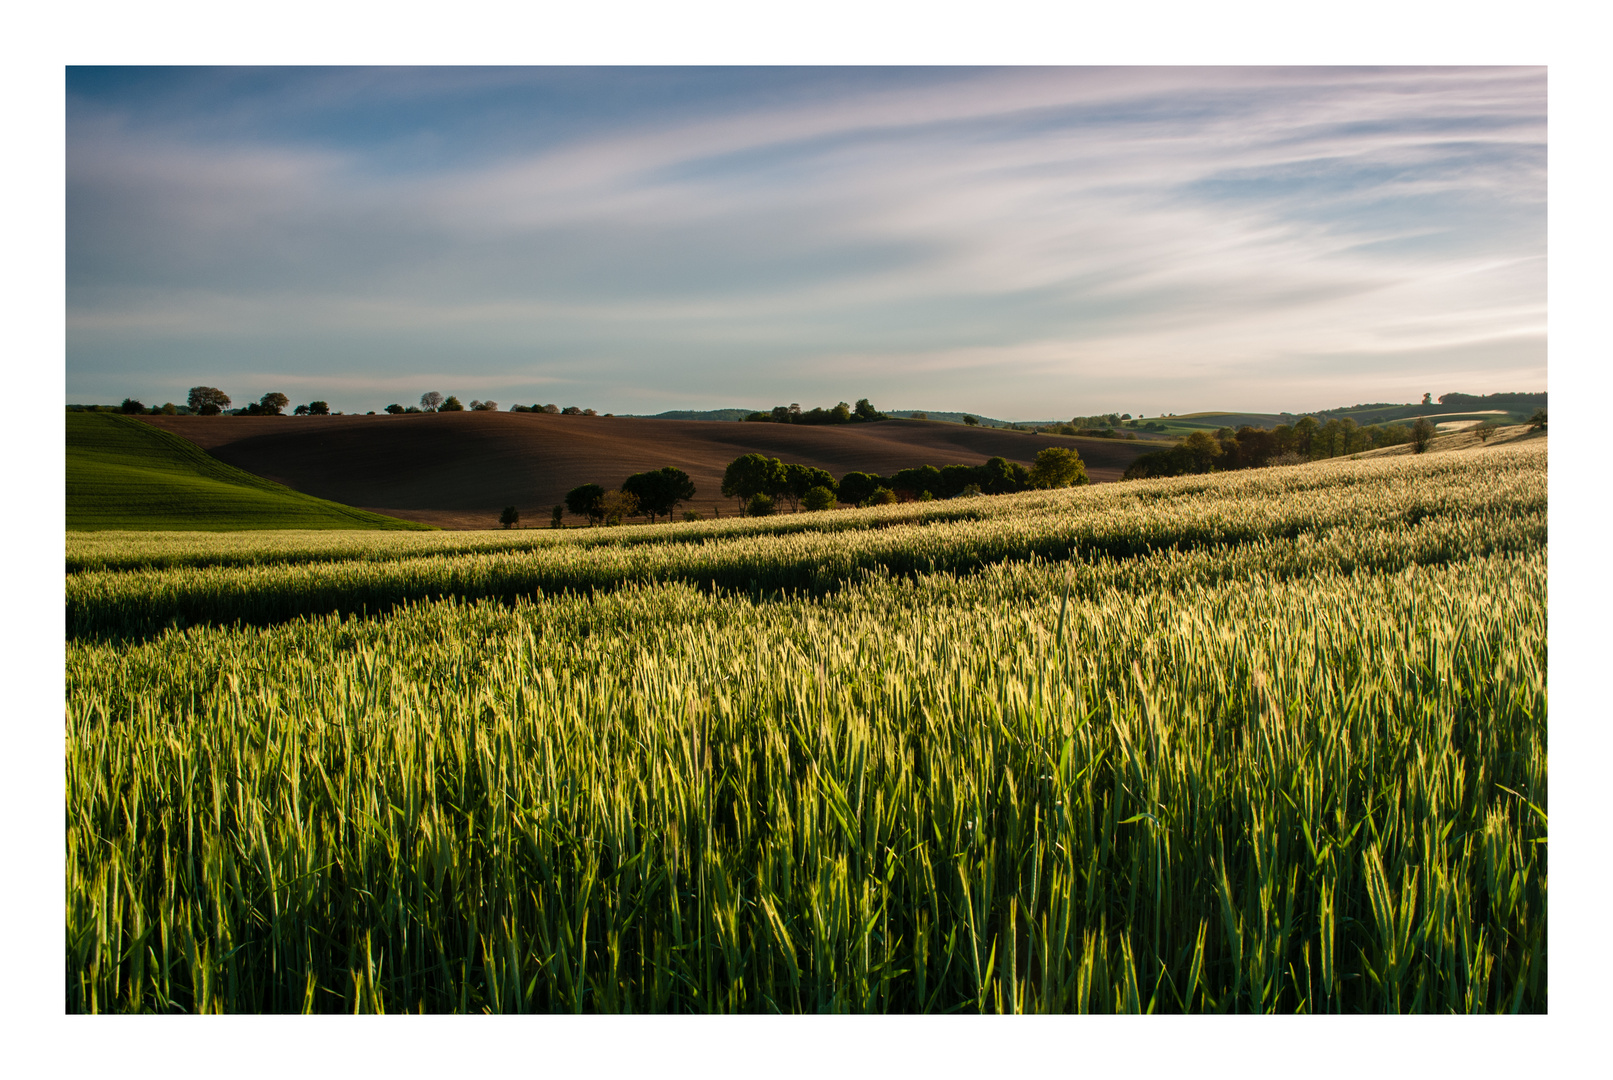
208, 400
395, 409
555, 521
271, 403
300, 410
971, 421
1537, 422
1422, 433
430, 400
865, 411
451, 404
319, 408
509, 517
131, 406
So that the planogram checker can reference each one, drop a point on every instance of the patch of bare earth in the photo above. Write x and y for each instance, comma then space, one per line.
458, 470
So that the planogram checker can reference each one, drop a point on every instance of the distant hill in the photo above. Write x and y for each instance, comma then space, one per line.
721, 415
124, 474
458, 470
957, 418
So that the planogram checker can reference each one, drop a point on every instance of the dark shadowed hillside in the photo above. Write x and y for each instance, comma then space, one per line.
457, 470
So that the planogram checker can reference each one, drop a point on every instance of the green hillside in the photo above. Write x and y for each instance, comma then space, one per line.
124, 474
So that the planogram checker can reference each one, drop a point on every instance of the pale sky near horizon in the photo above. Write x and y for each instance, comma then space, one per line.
1020, 242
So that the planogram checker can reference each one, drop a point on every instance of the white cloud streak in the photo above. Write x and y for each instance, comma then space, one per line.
1009, 238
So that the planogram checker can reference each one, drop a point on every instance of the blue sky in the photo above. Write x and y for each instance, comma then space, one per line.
1022, 242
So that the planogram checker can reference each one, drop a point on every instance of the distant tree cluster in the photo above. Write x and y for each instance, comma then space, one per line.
840, 414
652, 494
760, 483
1250, 447
1493, 399
1098, 426
569, 410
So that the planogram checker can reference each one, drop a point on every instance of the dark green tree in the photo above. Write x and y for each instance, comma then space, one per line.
586, 501
1305, 436
1537, 422
451, 404
918, 481
319, 408
131, 406
1422, 433
865, 411
954, 478
856, 487
208, 400
660, 491
971, 421
800, 479
395, 409
509, 517
999, 476
271, 403
759, 505
556, 518
754, 474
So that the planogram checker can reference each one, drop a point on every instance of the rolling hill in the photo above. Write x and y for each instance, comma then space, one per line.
458, 470
123, 474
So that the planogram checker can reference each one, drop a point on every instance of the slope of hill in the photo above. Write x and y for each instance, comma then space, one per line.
123, 474
695, 414
458, 470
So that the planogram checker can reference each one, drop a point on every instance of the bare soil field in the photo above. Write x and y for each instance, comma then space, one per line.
458, 470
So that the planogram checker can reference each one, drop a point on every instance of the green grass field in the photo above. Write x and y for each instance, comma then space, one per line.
123, 474
1264, 741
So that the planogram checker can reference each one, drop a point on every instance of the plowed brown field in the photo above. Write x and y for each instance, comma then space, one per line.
458, 470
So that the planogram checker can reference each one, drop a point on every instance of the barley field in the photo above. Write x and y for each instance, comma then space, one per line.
1266, 741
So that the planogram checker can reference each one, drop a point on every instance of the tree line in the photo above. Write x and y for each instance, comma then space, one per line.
761, 485
1493, 399
653, 493
1304, 440
842, 413
211, 401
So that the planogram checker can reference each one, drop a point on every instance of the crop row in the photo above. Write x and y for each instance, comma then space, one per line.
1219, 792
1383, 524
1501, 473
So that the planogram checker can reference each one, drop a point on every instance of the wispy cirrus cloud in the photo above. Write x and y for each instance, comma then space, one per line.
1019, 241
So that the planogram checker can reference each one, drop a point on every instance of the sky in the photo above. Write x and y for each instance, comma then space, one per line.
1021, 242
